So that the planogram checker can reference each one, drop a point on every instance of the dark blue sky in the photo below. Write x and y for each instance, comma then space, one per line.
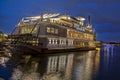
105, 14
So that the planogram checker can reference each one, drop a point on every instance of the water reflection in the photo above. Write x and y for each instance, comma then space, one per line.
49, 67
109, 67
86, 65
108, 56
61, 66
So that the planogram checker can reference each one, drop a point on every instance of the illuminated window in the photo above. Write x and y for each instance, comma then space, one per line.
56, 31
56, 41
53, 41
27, 29
48, 29
52, 30
64, 41
49, 41
60, 41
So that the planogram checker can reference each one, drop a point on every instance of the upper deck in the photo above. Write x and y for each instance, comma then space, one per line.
64, 21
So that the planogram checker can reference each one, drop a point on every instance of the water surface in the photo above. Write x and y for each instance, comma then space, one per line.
84, 65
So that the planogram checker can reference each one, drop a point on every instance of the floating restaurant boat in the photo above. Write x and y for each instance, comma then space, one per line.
53, 33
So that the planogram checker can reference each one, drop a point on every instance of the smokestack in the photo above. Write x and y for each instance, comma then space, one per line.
88, 19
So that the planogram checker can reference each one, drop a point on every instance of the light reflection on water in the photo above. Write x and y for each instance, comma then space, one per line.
108, 56
84, 65
67, 66
49, 67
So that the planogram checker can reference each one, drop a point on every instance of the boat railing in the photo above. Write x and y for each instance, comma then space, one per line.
24, 39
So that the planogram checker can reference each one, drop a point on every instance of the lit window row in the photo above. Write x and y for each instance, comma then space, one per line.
28, 29
81, 44
70, 42
79, 35
52, 30
89, 36
53, 41
75, 34
60, 41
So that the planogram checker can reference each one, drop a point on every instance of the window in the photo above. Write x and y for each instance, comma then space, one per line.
48, 29
52, 30
49, 41
53, 41
60, 41
56, 41
56, 31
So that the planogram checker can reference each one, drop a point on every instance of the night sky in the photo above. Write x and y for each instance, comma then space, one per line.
105, 14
